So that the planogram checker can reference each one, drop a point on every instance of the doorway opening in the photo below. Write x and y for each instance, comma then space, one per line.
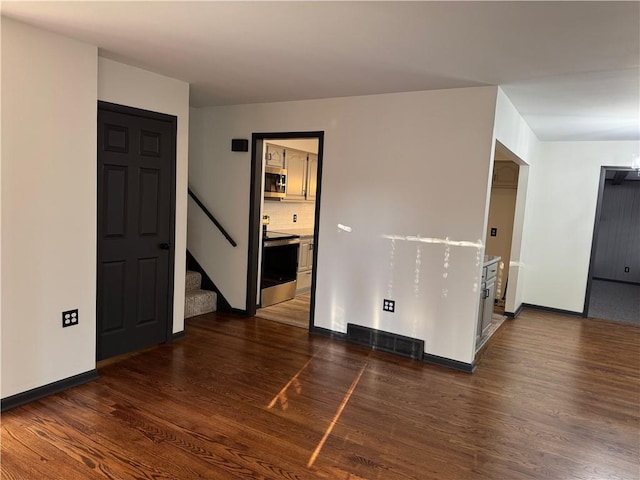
613, 284
499, 235
498, 238
500, 298
283, 234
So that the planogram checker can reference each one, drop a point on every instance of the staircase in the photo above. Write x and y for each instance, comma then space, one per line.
196, 300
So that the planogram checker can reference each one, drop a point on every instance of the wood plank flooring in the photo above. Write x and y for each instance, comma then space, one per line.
292, 312
496, 322
554, 397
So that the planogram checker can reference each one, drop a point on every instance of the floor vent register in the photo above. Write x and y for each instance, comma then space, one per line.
386, 341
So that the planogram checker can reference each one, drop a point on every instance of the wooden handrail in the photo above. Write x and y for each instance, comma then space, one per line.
212, 218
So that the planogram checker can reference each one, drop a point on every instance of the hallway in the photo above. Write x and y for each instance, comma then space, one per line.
615, 301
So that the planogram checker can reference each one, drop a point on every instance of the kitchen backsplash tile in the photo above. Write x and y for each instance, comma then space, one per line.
281, 214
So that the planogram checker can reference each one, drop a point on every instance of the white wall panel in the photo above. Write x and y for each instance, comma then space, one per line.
406, 172
560, 218
49, 90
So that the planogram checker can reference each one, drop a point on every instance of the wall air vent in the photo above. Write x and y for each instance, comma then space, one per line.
385, 341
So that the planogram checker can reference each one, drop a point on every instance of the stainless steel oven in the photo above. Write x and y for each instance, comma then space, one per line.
275, 182
279, 267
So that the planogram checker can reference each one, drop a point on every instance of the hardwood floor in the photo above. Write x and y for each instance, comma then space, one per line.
554, 397
496, 322
293, 312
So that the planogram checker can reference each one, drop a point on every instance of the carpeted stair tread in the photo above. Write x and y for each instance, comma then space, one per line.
193, 281
198, 302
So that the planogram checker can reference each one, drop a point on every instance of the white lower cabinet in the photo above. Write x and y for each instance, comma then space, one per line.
487, 300
305, 265
303, 284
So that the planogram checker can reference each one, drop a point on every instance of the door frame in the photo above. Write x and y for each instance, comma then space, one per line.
255, 221
173, 121
596, 231
518, 225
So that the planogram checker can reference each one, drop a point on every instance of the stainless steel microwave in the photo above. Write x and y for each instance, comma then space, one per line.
275, 182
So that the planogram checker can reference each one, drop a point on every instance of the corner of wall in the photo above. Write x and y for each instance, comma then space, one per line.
511, 130
520, 144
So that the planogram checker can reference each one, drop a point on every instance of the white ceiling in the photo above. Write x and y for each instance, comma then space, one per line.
570, 68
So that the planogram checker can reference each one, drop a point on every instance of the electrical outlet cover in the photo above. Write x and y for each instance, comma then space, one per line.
389, 305
69, 318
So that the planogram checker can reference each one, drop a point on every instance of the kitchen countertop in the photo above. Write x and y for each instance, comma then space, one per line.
303, 232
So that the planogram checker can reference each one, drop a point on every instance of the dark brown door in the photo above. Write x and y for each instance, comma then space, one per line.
136, 204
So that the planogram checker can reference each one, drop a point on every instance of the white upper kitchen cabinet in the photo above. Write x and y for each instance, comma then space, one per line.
296, 165
312, 175
302, 170
274, 156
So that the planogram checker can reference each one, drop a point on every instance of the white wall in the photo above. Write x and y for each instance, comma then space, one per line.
389, 161
560, 218
0, 213
517, 266
519, 144
48, 206
512, 131
134, 87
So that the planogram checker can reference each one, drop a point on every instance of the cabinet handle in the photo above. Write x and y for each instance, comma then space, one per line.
486, 293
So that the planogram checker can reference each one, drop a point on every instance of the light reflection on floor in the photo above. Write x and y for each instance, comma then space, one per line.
336, 417
282, 394
283, 400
